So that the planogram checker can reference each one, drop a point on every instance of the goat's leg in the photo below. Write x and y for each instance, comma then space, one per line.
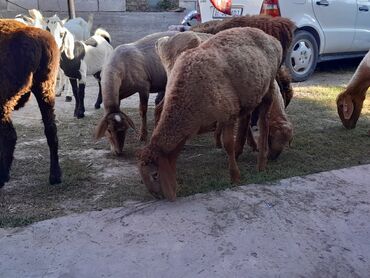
8, 138
68, 90
99, 100
144, 97
60, 83
74, 85
81, 97
229, 145
264, 115
45, 99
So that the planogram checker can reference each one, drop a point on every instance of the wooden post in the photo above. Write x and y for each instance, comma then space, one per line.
71, 9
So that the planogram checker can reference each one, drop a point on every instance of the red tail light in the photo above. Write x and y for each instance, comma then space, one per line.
270, 7
223, 6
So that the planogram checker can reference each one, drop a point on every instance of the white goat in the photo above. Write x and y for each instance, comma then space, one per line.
81, 31
82, 58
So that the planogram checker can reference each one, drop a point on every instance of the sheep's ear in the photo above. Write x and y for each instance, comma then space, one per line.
167, 177
63, 21
348, 107
101, 128
194, 41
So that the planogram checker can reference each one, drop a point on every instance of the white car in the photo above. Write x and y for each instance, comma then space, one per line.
326, 29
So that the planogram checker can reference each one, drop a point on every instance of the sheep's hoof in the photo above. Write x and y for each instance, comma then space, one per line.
97, 106
261, 166
218, 145
235, 177
68, 98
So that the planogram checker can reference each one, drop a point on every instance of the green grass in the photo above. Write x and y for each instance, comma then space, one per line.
320, 143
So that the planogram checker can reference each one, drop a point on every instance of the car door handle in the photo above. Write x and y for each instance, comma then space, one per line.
322, 3
364, 8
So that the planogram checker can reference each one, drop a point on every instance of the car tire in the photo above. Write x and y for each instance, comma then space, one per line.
302, 57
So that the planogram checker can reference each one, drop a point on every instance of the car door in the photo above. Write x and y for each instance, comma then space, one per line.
362, 37
337, 19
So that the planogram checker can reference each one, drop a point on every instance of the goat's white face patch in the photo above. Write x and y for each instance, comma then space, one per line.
117, 118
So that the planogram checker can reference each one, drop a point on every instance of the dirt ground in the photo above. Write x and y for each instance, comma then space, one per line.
93, 179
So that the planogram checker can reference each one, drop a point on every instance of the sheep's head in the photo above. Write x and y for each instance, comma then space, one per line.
169, 48
157, 173
349, 109
115, 126
279, 137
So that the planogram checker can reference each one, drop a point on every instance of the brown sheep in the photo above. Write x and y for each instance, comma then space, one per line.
278, 27
350, 101
29, 61
169, 48
217, 81
280, 129
132, 68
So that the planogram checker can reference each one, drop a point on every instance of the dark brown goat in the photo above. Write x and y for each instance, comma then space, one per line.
29, 61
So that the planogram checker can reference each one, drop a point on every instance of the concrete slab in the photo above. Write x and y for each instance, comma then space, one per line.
313, 226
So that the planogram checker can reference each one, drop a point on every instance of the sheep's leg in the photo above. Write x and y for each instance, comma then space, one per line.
74, 85
264, 115
46, 101
244, 133
99, 100
217, 136
8, 138
229, 145
144, 97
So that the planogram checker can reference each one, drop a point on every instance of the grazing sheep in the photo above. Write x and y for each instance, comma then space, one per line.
218, 81
281, 129
279, 27
29, 61
350, 101
132, 68
82, 58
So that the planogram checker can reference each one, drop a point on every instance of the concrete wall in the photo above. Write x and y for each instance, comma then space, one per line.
124, 27
61, 5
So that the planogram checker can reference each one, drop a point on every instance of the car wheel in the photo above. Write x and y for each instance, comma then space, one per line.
301, 59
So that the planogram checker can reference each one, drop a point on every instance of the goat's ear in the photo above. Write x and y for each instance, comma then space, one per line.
129, 121
167, 177
69, 44
101, 128
348, 107
63, 21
